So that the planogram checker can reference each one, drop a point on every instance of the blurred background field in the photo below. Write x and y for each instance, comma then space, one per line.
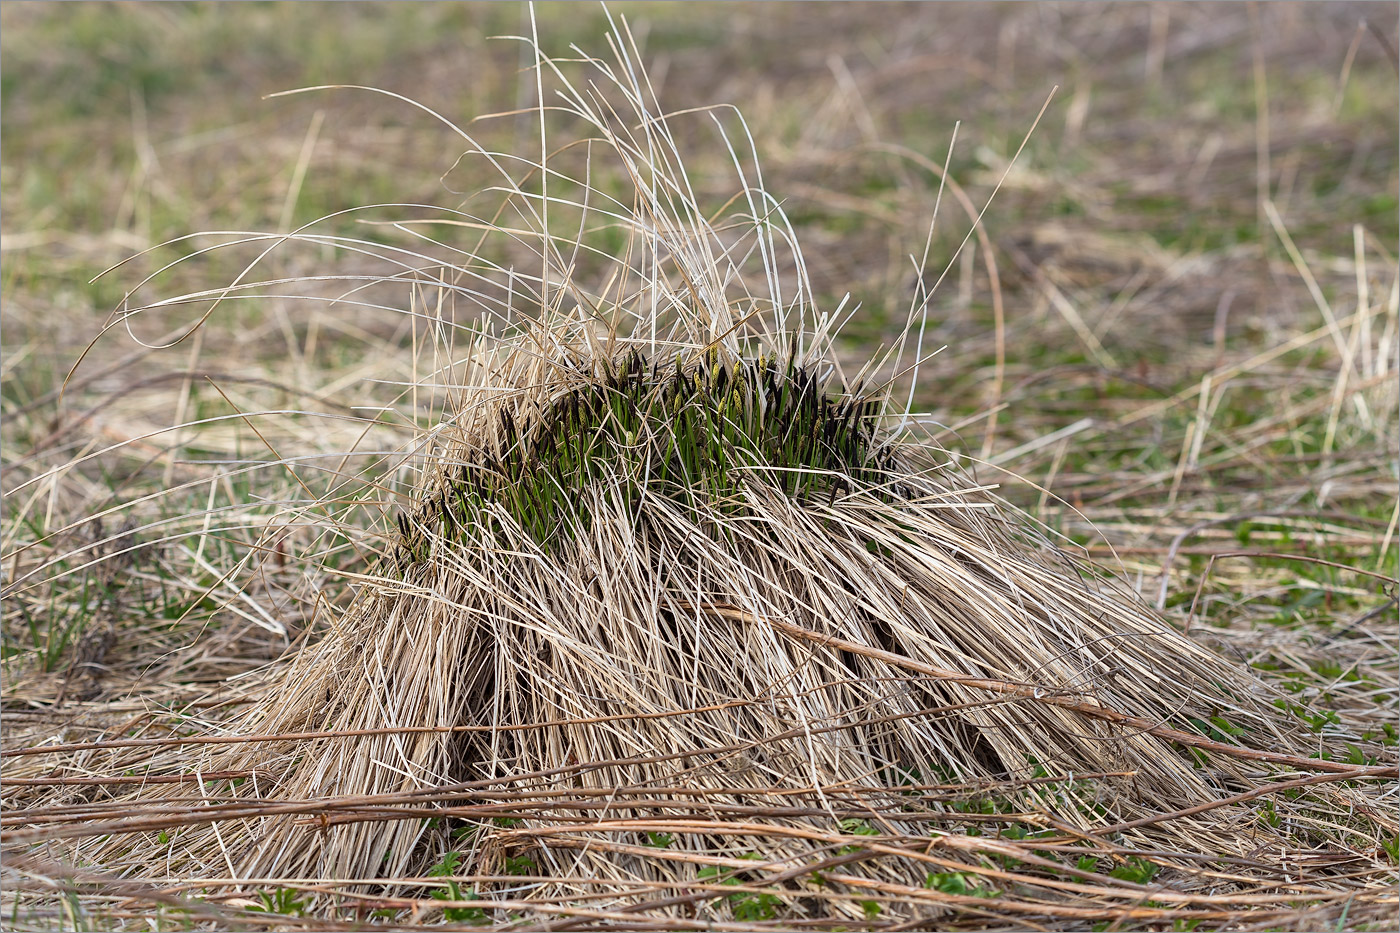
1178, 322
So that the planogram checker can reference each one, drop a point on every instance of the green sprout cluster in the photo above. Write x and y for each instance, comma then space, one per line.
694, 436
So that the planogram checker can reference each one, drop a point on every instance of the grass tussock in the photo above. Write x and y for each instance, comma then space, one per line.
664, 615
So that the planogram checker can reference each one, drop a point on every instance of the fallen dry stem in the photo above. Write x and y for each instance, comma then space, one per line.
1040, 695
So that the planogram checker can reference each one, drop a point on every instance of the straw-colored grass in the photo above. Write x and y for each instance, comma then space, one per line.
663, 617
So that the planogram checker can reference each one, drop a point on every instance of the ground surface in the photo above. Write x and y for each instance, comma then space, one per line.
1178, 327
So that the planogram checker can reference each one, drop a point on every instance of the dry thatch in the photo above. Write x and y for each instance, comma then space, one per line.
678, 623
